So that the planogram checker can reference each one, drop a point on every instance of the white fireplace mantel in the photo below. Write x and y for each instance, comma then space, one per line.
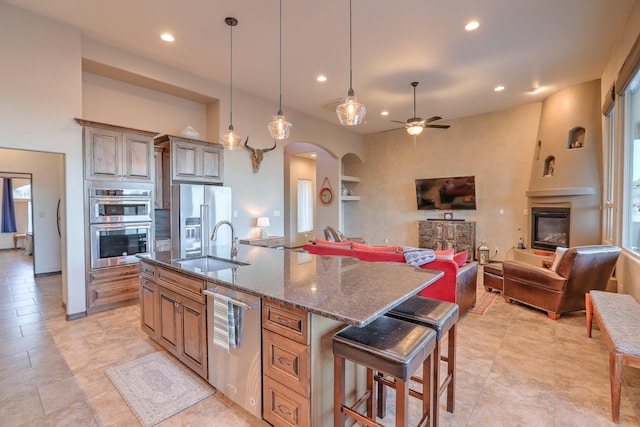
562, 192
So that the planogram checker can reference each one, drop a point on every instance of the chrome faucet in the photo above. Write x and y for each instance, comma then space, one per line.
234, 239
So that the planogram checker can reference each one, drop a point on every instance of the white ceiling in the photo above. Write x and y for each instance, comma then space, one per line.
520, 44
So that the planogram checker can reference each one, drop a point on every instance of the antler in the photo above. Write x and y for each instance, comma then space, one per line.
266, 150
253, 150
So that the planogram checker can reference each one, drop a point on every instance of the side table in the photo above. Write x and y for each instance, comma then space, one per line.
269, 241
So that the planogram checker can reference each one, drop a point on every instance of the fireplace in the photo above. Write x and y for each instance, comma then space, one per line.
550, 228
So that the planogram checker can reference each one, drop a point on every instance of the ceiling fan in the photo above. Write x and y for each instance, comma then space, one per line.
415, 125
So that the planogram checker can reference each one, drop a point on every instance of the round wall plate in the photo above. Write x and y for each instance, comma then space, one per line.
448, 215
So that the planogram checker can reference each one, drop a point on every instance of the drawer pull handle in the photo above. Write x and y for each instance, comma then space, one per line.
283, 321
286, 412
284, 361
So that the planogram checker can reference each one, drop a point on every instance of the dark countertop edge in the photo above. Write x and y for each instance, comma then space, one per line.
289, 303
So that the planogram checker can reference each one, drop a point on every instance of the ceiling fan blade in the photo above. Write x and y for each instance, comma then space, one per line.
389, 130
396, 121
438, 126
433, 119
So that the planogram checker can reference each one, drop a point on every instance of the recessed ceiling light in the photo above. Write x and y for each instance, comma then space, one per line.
384, 113
321, 78
167, 37
313, 154
499, 88
472, 25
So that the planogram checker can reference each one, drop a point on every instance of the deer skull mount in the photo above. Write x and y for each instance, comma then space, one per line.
257, 154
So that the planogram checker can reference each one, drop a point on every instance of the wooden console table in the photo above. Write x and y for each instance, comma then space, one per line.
441, 235
269, 241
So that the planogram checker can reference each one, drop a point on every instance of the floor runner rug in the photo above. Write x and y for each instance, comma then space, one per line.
483, 303
157, 386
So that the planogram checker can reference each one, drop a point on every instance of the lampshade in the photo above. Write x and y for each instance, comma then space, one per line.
263, 221
280, 128
351, 112
230, 140
415, 129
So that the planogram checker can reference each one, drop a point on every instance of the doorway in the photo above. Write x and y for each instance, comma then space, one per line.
20, 204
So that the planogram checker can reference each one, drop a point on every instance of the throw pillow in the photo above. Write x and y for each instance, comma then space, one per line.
363, 247
460, 258
322, 242
557, 257
446, 254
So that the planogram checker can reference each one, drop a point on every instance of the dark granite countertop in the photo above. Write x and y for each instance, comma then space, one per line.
341, 288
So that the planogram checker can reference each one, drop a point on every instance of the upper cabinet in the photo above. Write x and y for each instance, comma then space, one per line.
113, 153
192, 160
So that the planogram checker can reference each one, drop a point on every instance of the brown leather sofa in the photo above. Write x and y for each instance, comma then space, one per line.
581, 269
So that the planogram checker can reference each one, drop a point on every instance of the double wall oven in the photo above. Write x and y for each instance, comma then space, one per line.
120, 225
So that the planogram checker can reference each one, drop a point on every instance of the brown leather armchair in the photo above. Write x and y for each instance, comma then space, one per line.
581, 269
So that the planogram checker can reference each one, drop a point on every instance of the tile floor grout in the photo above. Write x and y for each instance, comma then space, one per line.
515, 365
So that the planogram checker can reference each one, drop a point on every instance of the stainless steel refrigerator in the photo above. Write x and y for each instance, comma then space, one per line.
196, 210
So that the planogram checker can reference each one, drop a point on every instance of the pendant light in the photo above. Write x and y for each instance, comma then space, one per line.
231, 140
280, 128
351, 112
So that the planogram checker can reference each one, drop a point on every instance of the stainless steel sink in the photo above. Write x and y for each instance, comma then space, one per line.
209, 263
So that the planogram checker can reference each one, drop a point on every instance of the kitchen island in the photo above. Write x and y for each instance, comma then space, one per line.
305, 300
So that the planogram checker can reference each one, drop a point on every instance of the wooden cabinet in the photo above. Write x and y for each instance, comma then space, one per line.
441, 235
113, 153
192, 160
286, 365
173, 313
158, 187
112, 285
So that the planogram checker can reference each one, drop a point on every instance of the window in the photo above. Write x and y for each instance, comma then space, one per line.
609, 219
631, 167
22, 192
305, 205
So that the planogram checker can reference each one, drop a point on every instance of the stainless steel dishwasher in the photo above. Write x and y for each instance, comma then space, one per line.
238, 372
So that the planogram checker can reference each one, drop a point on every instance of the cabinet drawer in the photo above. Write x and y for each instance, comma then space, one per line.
148, 270
286, 321
286, 361
115, 291
111, 274
283, 407
182, 284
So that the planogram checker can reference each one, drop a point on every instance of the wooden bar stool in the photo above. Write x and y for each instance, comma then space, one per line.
394, 347
441, 316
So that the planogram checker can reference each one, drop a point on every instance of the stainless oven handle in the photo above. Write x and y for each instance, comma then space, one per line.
121, 225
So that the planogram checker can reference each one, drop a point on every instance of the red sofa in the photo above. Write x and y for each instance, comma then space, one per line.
458, 285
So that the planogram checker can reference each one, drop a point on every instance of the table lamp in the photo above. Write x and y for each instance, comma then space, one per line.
262, 222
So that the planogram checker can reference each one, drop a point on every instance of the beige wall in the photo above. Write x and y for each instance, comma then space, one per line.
41, 94
496, 147
628, 267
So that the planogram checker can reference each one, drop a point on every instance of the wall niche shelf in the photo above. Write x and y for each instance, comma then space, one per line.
349, 182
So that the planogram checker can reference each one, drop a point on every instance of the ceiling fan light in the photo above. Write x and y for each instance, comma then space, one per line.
230, 140
415, 129
351, 112
280, 128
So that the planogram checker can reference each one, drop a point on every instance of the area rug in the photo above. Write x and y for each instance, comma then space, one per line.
483, 303
157, 386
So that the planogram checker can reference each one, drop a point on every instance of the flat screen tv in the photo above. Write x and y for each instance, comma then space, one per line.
451, 193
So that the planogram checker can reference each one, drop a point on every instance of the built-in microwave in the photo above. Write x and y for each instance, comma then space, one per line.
116, 244
119, 205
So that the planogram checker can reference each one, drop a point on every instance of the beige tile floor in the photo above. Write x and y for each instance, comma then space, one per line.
516, 367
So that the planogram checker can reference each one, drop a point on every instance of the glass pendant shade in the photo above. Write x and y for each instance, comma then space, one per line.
415, 129
280, 128
351, 112
230, 140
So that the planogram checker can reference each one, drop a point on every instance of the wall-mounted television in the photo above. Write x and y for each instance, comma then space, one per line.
450, 193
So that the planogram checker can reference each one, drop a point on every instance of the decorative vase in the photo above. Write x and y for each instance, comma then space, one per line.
190, 132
